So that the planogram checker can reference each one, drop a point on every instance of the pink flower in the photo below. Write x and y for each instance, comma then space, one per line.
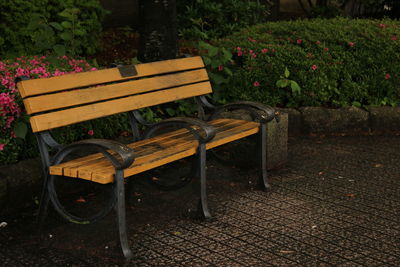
253, 55
2, 147
382, 26
314, 67
93, 69
299, 41
220, 68
393, 38
256, 83
351, 44
318, 42
239, 53
90, 132
252, 40
13, 135
4, 81
387, 76
326, 49
264, 50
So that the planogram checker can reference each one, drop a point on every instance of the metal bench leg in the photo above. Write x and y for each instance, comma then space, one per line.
201, 168
262, 150
44, 203
121, 212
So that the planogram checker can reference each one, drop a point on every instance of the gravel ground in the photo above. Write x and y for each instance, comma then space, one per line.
337, 202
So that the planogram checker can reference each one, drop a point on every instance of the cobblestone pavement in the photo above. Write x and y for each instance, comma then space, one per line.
336, 203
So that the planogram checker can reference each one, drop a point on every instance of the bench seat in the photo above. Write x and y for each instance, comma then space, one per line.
154, 152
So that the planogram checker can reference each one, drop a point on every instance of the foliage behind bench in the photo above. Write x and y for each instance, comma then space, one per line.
13, 120
337, 62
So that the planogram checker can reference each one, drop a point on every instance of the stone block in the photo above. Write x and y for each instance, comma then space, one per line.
294, 120
277, 139
342, 120
385, 119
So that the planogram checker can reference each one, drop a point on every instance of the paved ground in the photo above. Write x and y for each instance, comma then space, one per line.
336, 203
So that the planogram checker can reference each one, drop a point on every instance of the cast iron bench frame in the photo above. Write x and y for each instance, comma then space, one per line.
122, 156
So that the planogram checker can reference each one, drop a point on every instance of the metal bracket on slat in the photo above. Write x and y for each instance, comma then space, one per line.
127, 71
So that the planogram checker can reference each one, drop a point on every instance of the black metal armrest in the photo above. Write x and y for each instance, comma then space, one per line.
104, 146
195, 126
259, 111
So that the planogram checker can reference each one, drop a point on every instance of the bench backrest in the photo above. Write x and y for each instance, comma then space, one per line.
72, 98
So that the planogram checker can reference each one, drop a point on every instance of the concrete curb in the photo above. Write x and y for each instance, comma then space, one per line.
348, 120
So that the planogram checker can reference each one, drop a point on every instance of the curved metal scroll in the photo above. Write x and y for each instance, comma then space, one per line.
188, 123
258, 111
102, 146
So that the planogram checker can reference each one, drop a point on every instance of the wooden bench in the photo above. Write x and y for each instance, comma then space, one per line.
64, 100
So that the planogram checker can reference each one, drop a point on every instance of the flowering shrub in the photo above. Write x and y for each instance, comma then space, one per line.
13, 120
16, 141
336, 62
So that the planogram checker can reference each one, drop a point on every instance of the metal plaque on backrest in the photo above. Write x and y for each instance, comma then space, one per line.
127, 71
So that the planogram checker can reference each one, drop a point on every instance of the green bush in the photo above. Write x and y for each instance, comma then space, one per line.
31, 27
206, 19
337, 62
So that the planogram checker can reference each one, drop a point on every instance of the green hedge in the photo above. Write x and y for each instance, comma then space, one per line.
33, 27
337, 62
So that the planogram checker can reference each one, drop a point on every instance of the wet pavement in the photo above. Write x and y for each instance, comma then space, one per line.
336, 203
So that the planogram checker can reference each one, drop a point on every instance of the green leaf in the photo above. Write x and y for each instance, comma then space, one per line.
212, 51
287, 73
217, 79
59, 49
66, 24
66, 36
295, 87
282, 83
20, 130
206, 60
356, 104
228, 71
56, 26
170, 111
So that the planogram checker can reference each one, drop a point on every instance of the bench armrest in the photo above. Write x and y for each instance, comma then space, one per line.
125, 153
195, 126
259, 111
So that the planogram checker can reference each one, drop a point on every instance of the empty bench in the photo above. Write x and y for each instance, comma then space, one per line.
73, 98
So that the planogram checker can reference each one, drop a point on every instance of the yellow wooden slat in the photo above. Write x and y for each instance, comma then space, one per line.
94, 94
68, 81
83, 113
103, 172
107, 175
142, 149
71, 167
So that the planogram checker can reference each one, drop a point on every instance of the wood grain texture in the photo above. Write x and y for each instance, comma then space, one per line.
155, 152
98, 93
69, 81
65, 117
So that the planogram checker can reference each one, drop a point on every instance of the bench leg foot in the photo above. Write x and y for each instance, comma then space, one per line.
262, 147
201, 168
121, 212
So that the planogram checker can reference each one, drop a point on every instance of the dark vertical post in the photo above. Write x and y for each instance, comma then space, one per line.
121, 214
262, 150
158, 30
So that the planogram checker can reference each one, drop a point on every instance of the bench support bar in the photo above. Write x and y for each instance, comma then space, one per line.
121, 214
201, 165
262, 147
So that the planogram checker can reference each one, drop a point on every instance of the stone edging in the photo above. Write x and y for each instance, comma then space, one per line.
348, 120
